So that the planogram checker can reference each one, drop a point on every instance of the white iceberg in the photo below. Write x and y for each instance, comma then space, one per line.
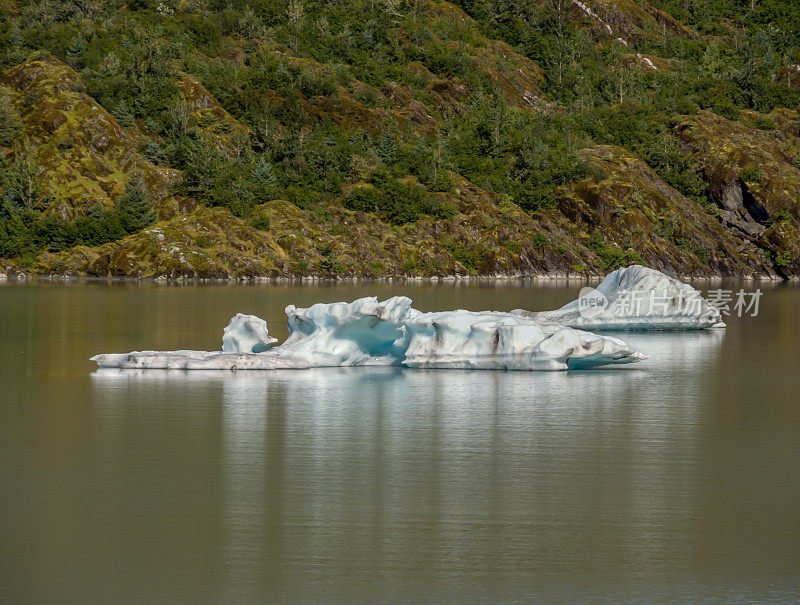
246, 334
635, 298
367, 332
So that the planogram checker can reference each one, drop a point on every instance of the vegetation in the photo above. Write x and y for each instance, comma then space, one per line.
26, 230
374, 106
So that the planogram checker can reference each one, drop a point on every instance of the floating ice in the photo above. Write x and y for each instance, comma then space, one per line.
246, 334
491, 340
635, 298
367, 332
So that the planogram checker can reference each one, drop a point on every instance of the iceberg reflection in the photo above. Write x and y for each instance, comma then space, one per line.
414, 471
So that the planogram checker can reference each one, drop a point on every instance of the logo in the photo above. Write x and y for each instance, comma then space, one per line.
591, 303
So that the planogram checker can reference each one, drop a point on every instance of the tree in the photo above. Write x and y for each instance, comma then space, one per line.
295, 14
557, 18
75, 51
123, 115
134, 207
22, 178
180, 114
264, 174
10, 125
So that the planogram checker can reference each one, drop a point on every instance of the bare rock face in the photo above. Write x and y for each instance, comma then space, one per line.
630, 22
741, 211
757, 159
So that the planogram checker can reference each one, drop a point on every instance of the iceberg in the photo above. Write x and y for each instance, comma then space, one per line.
634, 298
246, 334
368, 332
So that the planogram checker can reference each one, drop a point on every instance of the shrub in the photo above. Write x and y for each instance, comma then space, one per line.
363, 199
751, 174
236, 195
259, 220
397, 202
468, 255
539, 241
783, 259
203, 241
672, 163
612, 256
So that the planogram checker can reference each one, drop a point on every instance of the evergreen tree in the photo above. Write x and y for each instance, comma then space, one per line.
21, 178
123, 115
387, 146
75, 52
9, 121
135, 208
264, 175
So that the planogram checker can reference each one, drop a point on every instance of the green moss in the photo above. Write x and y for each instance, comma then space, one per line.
539, 241
203, 241
612, 256
751, 174
469, 256
783, 259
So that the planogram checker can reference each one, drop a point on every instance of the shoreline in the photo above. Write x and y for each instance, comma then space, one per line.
331, 280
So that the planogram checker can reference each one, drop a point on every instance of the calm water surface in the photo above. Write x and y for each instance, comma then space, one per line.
676, 479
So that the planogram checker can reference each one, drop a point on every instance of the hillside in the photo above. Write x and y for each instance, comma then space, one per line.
378, 138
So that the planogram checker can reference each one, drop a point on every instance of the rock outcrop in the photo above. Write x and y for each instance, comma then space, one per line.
625, 202
754, 177
86, 157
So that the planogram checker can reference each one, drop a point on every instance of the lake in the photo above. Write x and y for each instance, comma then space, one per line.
674, 479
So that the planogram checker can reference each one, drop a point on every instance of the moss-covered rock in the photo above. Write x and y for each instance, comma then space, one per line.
517, 79
629, 20
218, 126
760, 163
620, 214
753, 176
86, 156
623, 213
483, 237
646, 62
208, 242
628, 214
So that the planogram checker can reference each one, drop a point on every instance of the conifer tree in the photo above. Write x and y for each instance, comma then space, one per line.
9, 121
135, 208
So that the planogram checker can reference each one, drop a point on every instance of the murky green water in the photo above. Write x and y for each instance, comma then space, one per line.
677, 479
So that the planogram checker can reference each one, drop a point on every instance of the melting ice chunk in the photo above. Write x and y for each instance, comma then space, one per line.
635, 298
246, 334
369, 332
